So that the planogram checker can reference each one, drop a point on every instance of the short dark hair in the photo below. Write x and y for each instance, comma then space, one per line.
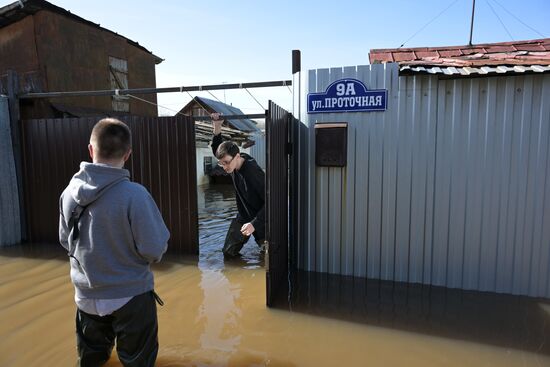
227, 148
111, 138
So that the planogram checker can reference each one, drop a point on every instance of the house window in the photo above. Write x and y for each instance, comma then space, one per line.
118, 73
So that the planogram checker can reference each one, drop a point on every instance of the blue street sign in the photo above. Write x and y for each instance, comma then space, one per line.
347, 95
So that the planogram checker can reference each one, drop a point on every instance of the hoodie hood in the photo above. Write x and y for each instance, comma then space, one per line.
93, 179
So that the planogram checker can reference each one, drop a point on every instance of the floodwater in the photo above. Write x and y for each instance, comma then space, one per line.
215, 313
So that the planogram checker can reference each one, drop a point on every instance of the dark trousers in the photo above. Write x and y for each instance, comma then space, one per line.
134, 326
235, 240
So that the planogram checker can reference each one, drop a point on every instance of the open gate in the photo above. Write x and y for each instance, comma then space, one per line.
277, 204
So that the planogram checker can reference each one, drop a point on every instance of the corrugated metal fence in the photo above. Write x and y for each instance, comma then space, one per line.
450, 186
10, 226
163, 160
277, 127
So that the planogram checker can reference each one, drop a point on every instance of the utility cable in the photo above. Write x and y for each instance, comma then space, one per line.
263, 108
519, 20
427, 24
215, 97
500, 20
198, 100
157, 105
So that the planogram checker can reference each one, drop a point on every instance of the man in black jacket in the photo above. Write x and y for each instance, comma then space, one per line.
249, 182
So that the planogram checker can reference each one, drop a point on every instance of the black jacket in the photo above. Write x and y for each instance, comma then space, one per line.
249, 183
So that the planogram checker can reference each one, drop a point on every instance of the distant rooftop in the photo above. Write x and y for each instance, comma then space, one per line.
246, 125
18, 10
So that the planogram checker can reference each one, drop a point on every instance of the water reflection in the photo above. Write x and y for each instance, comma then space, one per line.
220, 316
219, 312
496, 319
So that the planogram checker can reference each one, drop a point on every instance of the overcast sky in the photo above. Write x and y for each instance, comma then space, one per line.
215, 41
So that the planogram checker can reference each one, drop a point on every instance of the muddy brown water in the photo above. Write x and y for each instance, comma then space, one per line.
215, 313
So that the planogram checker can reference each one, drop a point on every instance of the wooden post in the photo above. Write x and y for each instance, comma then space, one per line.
13, 91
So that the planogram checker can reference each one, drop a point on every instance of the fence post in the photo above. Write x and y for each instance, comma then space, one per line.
13, 91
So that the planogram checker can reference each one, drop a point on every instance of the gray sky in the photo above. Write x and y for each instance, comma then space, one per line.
214, 41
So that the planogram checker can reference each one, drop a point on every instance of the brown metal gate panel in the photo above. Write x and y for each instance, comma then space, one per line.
163, 160
277, 200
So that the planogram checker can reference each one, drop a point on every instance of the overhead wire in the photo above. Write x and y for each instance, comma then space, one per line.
519, 20
246, 89
164, 107
214, 96
427, 24
255, 99
155, 104
197, 99
500, 20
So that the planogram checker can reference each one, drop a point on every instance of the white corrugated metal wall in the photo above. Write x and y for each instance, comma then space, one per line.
450, 186
10, 226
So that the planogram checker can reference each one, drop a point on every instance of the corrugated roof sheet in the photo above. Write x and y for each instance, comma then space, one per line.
466, 71
530, 53
225, 109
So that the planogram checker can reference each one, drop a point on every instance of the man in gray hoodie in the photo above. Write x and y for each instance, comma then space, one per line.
112, 230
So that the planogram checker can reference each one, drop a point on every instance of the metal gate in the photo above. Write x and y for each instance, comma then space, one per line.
163, 160
277, 129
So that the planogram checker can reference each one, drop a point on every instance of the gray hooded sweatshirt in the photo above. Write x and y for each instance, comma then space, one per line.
121, 232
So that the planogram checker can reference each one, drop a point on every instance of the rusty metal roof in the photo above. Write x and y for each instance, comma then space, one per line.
482, 58
18, 10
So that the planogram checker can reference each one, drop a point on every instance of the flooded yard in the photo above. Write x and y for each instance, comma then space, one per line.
215, 313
